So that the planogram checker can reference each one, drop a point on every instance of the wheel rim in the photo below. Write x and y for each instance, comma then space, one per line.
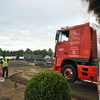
68, 73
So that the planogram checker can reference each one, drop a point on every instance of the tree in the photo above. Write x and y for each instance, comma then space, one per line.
29, 51
36, 52
50, 51
44, 52
41, 52
0, 52
7, 53
21, 52
4, 52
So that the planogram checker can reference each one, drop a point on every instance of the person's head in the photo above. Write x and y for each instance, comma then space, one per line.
3, 57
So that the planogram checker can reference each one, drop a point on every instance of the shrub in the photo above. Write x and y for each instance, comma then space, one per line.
47, 85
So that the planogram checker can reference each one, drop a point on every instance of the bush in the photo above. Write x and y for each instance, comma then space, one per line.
47, 85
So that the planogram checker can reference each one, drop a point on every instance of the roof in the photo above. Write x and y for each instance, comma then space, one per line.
31, 56
77, 26
47, 56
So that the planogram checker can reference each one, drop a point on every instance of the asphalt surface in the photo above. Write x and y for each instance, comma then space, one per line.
84, 90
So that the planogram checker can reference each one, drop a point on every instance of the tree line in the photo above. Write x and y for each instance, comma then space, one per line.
20, 52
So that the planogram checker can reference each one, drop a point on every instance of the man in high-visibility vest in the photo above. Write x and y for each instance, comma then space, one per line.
4, 63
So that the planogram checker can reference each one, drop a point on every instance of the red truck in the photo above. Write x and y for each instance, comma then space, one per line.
76, 52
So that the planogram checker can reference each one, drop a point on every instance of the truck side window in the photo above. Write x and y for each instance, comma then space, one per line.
60, 35
63, 36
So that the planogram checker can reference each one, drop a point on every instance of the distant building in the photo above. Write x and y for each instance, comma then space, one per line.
32, 56
8, 57
47, 57
21, 57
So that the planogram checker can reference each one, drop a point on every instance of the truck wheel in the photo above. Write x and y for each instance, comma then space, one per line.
69, 73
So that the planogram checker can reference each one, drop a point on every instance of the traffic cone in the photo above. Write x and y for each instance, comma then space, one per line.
15, 85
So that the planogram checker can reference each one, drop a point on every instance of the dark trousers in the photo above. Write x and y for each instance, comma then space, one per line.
5, 69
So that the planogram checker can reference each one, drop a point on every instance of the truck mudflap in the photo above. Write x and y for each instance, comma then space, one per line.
57, 69
87, 72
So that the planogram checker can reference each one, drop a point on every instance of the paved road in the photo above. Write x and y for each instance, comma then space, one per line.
84, 91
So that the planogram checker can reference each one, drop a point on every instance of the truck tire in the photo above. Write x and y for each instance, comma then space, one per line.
69, 73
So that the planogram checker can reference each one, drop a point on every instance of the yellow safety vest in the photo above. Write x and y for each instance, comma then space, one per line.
5, 63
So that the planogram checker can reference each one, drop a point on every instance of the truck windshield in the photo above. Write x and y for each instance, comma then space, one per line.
64, 36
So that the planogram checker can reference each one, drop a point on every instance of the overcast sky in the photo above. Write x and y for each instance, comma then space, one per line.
33, 23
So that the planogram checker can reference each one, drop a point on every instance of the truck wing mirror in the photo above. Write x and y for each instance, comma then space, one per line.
57, 36
58, 43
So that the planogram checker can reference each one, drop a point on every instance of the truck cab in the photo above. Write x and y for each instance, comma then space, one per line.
75, 46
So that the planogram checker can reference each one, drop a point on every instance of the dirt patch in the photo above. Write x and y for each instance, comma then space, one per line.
18, 79
23, 74
19, 63
8, 93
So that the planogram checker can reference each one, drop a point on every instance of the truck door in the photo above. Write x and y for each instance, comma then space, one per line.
74, 42
62, 45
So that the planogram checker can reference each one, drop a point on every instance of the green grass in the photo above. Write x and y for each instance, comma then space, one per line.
32, 64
